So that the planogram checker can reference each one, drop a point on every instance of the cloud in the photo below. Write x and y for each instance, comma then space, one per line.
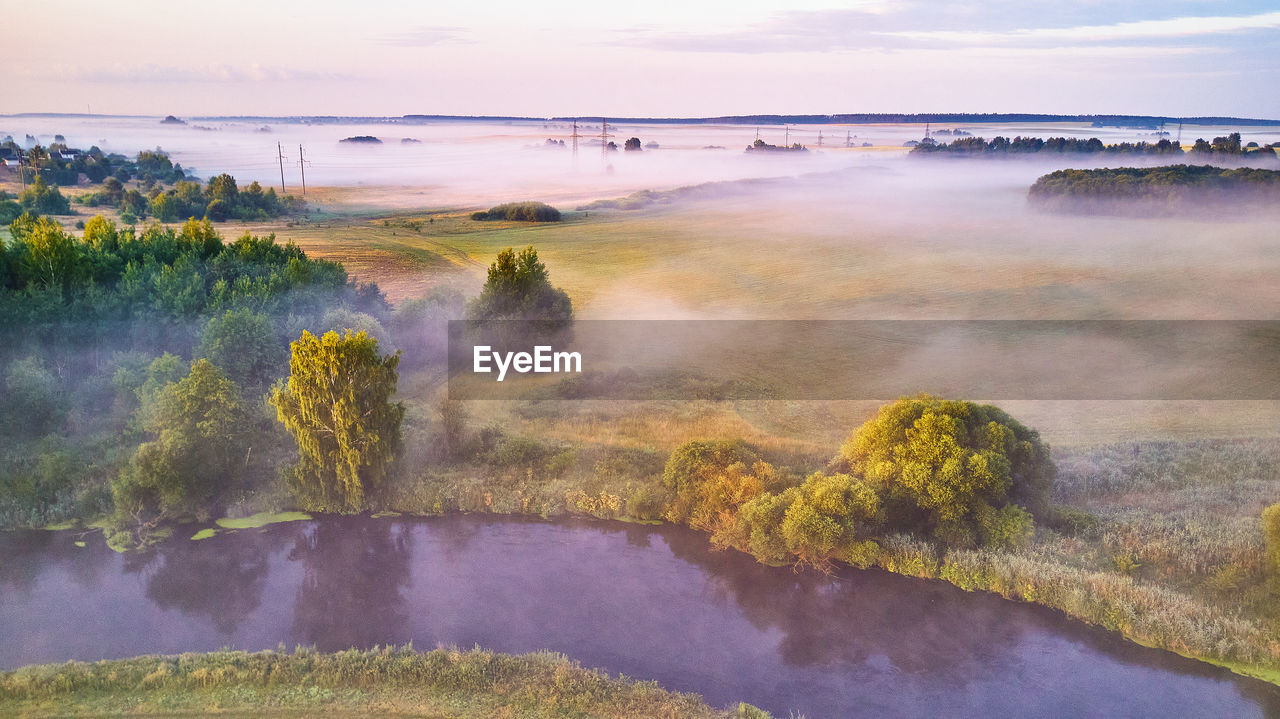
151, 72
428, 36
1180, 27
908, 27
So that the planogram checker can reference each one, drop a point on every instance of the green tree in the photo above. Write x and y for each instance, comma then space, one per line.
519, 287
337, 405
51, 255
949, 467
200, 427
632, 145
34, 402
831, 518
242, 344
223, 187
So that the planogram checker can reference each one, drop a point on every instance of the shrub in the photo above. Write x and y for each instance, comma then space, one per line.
520, 212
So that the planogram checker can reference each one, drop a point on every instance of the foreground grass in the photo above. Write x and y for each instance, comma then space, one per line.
382, 682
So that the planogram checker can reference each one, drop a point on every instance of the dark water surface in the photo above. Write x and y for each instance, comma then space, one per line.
650, 602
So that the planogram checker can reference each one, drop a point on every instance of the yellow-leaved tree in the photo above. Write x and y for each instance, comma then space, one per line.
337, 405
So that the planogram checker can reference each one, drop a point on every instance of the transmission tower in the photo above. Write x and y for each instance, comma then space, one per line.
575, 137
604, 139
819, 139
848, 138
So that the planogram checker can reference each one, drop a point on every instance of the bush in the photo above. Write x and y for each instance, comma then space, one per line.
951, 467
520, 212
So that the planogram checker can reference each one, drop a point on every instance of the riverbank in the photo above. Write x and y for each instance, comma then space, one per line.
386, 682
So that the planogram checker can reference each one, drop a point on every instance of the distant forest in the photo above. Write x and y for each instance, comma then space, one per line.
1170, 189
1229, 145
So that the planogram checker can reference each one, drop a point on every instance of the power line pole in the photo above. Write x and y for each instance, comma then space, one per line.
848, 138
280, 156
786, 137
819, 139
302, 165
575, 137
22, 170
604, 139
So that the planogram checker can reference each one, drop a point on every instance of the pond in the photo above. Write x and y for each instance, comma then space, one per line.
650, 602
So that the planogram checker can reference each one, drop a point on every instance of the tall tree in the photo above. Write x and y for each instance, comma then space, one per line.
337, 405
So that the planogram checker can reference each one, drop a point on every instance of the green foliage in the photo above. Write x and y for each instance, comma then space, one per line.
34, 403
518, 287
199, 424
243, 344
337, 406
945, 466
44, 199
695, 464
1003, 146
158, 273
520, 212
1271, 535
829, 518
1154, 189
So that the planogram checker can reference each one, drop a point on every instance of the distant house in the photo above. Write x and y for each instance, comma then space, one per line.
68, 155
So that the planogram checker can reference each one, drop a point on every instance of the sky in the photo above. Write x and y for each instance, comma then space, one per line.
694, 58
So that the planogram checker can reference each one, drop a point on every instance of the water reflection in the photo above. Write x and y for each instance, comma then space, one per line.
355, 572
224, 585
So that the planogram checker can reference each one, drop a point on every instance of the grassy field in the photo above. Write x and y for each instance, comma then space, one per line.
381, 682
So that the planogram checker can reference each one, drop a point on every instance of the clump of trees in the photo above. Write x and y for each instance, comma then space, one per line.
519, 212
762, 146
199, 424
518, 287
337, 405
100, 334
970, 146
1231, 145
632, 145
41, 198
1169, 188
963, 474
63, 165
219, 200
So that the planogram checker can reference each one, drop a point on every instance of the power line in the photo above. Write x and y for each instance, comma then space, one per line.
280, 156
302, 165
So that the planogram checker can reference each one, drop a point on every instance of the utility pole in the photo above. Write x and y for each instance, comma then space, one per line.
819, 139
575, 137
848, 138
1179, 132
22, 169
604, 139
280, 156
302, 165
786, 136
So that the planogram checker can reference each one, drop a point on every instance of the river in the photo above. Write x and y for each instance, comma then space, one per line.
650, 602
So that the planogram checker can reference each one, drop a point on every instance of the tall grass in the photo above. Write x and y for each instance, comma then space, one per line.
443, 682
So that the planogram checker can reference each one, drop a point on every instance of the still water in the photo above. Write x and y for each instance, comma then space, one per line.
650, 602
